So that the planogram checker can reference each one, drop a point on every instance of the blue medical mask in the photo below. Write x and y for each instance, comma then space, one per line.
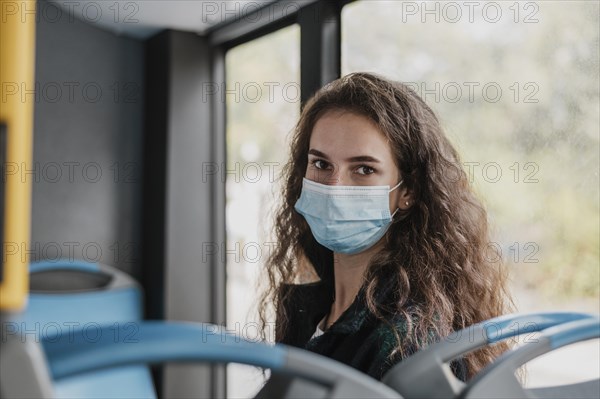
346, 219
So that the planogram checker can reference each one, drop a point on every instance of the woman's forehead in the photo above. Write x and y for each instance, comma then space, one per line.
344, 134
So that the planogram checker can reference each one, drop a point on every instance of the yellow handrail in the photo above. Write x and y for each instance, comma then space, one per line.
17, 58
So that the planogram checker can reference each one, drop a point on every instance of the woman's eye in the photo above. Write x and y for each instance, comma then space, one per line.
320, 164
365, 170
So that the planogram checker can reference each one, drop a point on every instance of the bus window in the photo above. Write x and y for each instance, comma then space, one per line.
516, 87
263, 102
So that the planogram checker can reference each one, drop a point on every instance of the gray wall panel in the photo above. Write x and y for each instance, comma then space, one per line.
88, 119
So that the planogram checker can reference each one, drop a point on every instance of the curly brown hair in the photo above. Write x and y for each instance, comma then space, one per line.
437, 254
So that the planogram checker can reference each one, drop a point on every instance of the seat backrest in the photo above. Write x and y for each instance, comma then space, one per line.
69, 296
427, 373
313, 375
498, 379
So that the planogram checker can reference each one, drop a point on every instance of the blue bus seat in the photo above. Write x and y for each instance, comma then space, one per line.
73, 296
159, 342
498, 379
427, 373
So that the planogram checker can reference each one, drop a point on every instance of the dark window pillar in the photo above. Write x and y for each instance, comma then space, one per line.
320, 42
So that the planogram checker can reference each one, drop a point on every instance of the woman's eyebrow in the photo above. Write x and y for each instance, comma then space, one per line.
359, 158
363, 158
317, 153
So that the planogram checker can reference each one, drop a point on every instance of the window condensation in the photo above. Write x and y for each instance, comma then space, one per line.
516, 87
262, 96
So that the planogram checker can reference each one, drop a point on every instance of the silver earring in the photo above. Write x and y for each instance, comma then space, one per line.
406, 203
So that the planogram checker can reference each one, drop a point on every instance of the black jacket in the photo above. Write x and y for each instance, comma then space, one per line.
357, 338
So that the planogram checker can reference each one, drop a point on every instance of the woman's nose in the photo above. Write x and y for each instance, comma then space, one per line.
337, 178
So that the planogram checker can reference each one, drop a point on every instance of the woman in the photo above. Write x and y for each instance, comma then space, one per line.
376, 204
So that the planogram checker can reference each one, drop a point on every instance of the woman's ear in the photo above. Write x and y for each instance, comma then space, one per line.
405, 198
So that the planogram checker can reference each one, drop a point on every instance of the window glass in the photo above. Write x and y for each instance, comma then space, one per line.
262, 95
516, 87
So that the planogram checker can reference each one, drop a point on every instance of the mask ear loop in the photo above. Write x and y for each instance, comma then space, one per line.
392, 189
396, 186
